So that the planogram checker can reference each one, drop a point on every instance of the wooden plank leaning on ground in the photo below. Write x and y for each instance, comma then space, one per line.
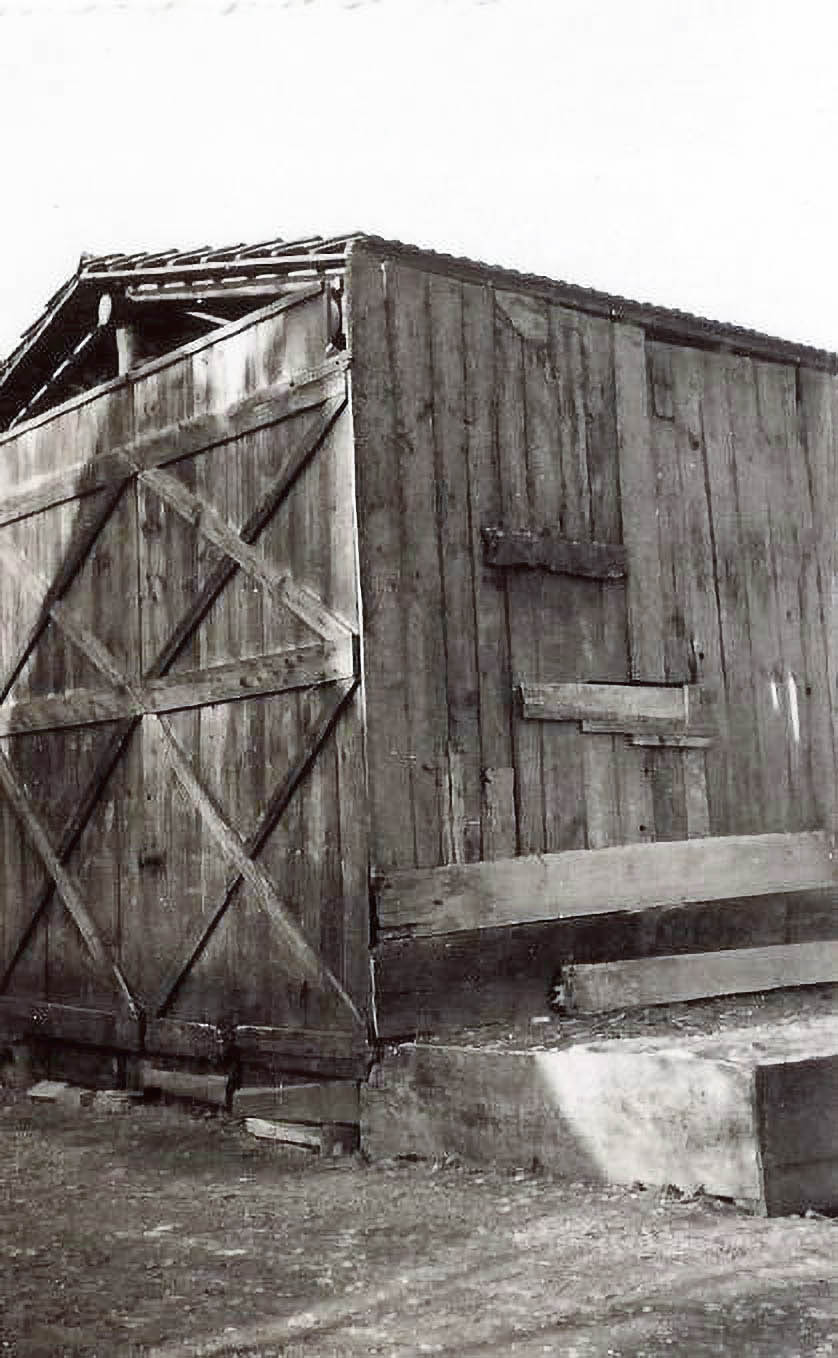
644, 981
600, 881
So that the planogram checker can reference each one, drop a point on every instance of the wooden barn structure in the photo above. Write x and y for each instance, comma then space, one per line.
381, 632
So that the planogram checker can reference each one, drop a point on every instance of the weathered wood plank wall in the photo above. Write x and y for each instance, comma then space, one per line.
223, 855
476, 406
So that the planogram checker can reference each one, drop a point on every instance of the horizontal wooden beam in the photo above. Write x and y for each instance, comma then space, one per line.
325, 1101
584, 882
179, 1037
613, 707
551, 552
69, 1023
694, 976
340, 1052
301, 667
270, 405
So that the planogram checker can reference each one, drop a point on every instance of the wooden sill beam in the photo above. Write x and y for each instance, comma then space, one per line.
605, 986
551, 552
585, 882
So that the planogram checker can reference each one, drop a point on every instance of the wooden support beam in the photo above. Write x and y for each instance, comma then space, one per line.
552, 552
645, 981
581, 882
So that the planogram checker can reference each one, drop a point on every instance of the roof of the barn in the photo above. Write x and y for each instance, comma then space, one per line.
246, 275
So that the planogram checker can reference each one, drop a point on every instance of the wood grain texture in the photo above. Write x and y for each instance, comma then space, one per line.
548, 550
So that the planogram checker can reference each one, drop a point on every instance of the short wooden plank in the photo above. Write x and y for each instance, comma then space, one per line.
324, 1101
498, 813
550, 551
671, 980
179, 1037
638, 495
599, 780
332, 1053
289, 1133
695, 793
625, 877
675, 740
624, 705
185, 1084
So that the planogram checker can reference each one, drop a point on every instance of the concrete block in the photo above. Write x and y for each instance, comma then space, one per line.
747, 1114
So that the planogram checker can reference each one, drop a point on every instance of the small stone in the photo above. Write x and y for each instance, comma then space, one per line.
48, 1091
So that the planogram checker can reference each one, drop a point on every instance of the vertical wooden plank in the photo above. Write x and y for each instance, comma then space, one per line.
772, 810
786, 511
668, 796
498, 813
565, 609
422, 601
510, 395
697, 571
634, 776
818, 431
695, 794
602, 796
743, 770
494, 678
449, 360
380, 550
354, 852
639, 505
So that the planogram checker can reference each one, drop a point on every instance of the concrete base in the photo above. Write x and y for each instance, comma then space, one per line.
750, 1113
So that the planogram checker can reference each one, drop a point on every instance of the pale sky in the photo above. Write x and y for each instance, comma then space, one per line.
675, 151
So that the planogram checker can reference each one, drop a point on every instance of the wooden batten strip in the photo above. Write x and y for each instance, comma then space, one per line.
65, 883
583, 882
301, 667
604, 986
551, 552
613, 707
311, 966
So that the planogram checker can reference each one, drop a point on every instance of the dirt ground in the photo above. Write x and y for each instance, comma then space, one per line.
161, 1232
